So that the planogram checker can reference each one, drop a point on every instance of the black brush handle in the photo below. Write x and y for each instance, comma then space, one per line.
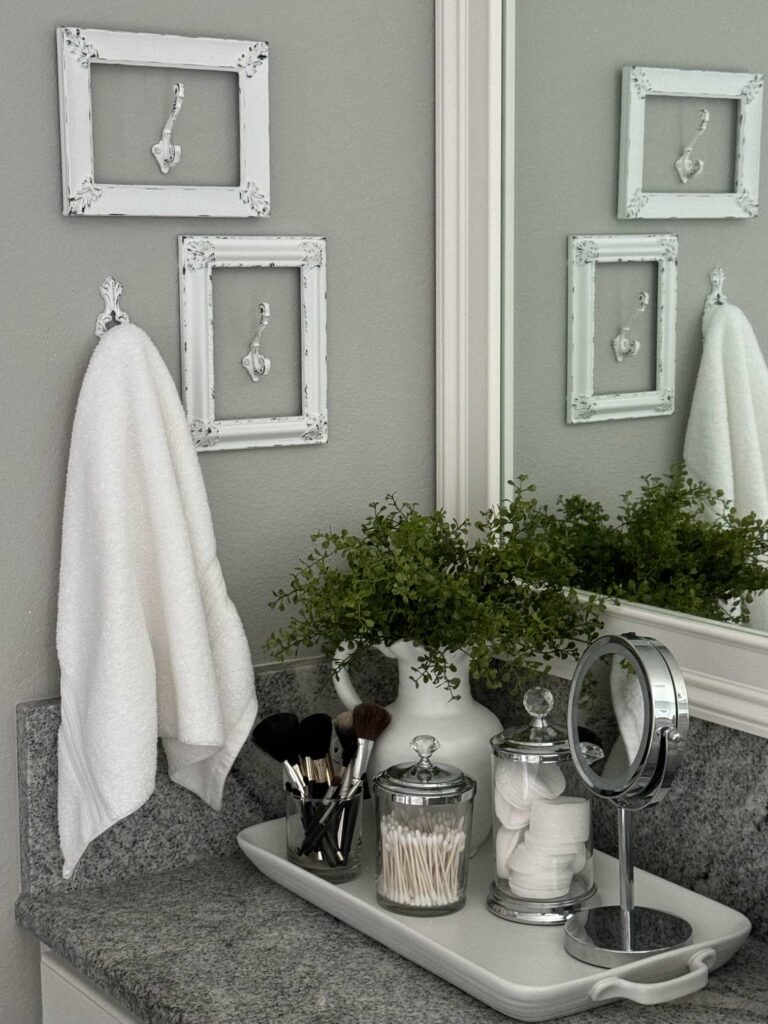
348, 826
322, 827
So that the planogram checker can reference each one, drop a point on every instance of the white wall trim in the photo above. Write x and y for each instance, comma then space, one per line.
726, 667
468, 98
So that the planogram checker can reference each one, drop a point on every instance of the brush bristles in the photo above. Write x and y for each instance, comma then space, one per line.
347, 736
370, 721
278, 736
315, 732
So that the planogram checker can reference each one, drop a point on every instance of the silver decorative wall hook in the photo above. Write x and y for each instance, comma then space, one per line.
716, 295
622, 344
255, 363
111, 290
686, 166
165, 152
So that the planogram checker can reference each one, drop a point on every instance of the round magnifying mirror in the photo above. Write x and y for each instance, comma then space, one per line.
627, 724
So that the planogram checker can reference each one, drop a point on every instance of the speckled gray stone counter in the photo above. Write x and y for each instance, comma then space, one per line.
174, 924
218, 943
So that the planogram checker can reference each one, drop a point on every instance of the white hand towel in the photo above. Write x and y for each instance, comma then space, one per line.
726, 441
149, 643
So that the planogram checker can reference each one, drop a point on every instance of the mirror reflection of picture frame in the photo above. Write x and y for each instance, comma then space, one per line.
585, 252
198, 256
79, 48
639, 83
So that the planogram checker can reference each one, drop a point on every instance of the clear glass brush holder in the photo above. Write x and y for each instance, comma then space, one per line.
325, 836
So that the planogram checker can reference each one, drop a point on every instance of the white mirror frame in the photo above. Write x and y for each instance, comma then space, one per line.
79, 48
637, 85
585, 252
198, 256
725, 667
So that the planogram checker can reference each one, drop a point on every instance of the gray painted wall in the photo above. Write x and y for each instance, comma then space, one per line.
352, 158
569, 60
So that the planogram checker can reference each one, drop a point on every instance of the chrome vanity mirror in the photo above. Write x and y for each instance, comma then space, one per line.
627, 725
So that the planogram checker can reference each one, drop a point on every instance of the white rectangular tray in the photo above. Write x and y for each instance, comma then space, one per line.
520, 970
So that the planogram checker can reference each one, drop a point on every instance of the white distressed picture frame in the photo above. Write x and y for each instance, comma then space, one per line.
638, 83
198, 256
79, 48
585, 252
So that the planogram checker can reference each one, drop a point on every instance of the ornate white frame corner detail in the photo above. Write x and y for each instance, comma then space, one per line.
584, 253
637, 85
79, 48
198, 256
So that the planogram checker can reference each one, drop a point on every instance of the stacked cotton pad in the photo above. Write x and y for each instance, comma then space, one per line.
553, 850
541, 837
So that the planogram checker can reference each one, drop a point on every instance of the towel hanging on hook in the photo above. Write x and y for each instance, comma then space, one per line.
111, 290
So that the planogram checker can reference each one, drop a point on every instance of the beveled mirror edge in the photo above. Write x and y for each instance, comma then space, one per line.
725, 667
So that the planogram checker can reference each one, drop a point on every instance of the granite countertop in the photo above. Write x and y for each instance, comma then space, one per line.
218, 943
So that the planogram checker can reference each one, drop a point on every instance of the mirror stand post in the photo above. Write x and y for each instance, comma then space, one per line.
626, 879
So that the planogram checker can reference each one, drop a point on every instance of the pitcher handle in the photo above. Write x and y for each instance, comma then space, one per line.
347, 693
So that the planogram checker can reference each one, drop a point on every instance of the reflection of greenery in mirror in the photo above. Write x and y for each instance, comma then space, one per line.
676, 544
427, 579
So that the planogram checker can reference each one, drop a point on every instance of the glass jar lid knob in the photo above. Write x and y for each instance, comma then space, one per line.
538, 702
425, 746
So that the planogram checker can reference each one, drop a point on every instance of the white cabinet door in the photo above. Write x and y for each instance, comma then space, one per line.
69, 998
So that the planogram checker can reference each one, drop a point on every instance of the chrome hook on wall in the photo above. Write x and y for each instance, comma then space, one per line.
622, 344
111, 290
165, 152
687, 167
255, 363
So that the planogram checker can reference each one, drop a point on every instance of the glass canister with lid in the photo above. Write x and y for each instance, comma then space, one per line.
424, 820
542, 821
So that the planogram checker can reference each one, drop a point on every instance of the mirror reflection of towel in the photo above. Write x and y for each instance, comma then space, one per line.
726, 441
629, 709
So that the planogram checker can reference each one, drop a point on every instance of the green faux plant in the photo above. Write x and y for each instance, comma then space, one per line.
676, 544
430, 580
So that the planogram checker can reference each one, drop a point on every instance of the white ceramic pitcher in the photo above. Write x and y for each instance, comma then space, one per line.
463, 727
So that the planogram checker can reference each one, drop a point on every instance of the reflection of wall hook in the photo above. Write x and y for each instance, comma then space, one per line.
622, 344
164, 151
686, 167
256, 364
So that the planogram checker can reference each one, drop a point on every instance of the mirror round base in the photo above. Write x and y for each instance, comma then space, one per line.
598, 936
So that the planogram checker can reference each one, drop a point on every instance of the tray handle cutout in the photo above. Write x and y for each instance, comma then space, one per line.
661, 991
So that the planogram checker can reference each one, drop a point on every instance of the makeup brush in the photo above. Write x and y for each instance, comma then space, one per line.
278, 736
345, 731
369, 721
346, 735
315, 732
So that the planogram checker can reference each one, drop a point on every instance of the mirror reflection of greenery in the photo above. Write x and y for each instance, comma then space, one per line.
594, 684
677, 544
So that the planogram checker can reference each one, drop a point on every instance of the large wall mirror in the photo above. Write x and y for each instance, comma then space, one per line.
515, 178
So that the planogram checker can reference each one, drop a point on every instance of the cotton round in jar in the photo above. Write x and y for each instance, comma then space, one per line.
542, 821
